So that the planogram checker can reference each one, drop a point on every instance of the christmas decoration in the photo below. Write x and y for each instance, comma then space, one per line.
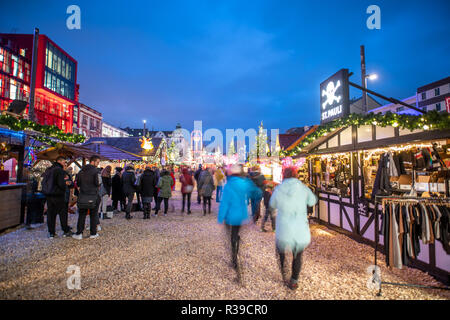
51, 133
431, 120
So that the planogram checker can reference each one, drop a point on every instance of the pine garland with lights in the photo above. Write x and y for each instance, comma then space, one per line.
431, 120
49, 131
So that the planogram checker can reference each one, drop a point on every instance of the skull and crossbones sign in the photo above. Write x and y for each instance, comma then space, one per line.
330, 93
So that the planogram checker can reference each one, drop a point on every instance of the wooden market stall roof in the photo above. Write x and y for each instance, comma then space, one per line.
66, 150
111, 152
132, 145
302, 137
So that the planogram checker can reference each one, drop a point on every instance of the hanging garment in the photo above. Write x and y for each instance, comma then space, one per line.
396, 246
391, 165
445, 228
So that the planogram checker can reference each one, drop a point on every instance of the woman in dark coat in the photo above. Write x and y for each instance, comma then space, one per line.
117, 193
147, 186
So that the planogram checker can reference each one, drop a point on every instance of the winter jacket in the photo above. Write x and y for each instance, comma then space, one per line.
116, 188
106, 186
197, 174
291, 199
220, 177
148, 184
68, 187
206, 184
186, 180
233, 209
87, 180
128, 181
59, 182
173, 179
258, 179
165, 185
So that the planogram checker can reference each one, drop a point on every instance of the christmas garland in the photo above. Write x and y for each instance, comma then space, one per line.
431, 120
49, 131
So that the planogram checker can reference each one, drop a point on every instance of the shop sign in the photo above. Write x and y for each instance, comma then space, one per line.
334, 101
363, 207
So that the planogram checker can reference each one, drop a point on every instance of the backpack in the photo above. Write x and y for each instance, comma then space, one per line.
47, 181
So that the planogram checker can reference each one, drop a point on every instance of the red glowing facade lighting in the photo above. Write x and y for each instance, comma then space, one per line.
56, 78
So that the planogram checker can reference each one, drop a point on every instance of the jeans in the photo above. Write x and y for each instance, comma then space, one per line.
219, 193
234, 235
93, 217
139, 202
205, 201
147, 206
57, 206
296, 263
115, 203
256, 208
158, 205
129, 206
104, 204
269, 212
187, 198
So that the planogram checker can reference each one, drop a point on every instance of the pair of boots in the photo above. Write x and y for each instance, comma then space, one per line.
146, 215
204, 209
128, 216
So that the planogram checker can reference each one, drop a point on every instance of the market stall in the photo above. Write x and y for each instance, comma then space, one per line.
12, 146
351, 165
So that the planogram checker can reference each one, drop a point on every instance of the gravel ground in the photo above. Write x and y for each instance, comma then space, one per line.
187, 257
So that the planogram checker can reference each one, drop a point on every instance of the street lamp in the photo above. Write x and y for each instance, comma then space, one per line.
372, 76
145, 121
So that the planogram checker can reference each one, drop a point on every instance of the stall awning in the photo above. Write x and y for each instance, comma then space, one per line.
110, 152
65, 150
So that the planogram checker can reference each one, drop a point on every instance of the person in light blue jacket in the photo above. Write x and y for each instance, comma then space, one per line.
291, 199
233, 209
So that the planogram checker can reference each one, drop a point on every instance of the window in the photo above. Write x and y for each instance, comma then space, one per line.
436, 92
424, 95
15, 65
424, 109
400, 109
438, 106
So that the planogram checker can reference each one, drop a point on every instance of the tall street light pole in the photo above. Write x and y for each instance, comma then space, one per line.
145, 121
33, 73
372, 76
363, 77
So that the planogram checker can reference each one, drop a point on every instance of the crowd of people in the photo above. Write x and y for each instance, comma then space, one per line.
236, 192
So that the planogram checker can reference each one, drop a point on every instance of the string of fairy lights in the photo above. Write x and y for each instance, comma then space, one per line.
432, 120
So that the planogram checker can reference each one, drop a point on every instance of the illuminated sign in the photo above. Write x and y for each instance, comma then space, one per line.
334, 102
146, 143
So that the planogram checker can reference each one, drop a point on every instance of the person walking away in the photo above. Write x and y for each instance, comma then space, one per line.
206, 188
165, 191
70, 185
105, 192
147, 188
233, 206
220, 181
269, 211
117, 190
54, 188
187, 186
158, 176
138, 195
196, 177
129, 180
172, 175
88, 183
258, 179
291, 199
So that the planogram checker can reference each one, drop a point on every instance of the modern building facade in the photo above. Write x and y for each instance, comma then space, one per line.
433, 95
109, 131
398, 108
87, 121
56, 78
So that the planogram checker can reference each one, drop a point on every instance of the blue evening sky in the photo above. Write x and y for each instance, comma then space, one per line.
232, 64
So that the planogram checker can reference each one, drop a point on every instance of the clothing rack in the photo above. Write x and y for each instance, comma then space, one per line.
380, 200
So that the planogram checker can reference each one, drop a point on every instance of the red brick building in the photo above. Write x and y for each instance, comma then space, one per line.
56, 77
